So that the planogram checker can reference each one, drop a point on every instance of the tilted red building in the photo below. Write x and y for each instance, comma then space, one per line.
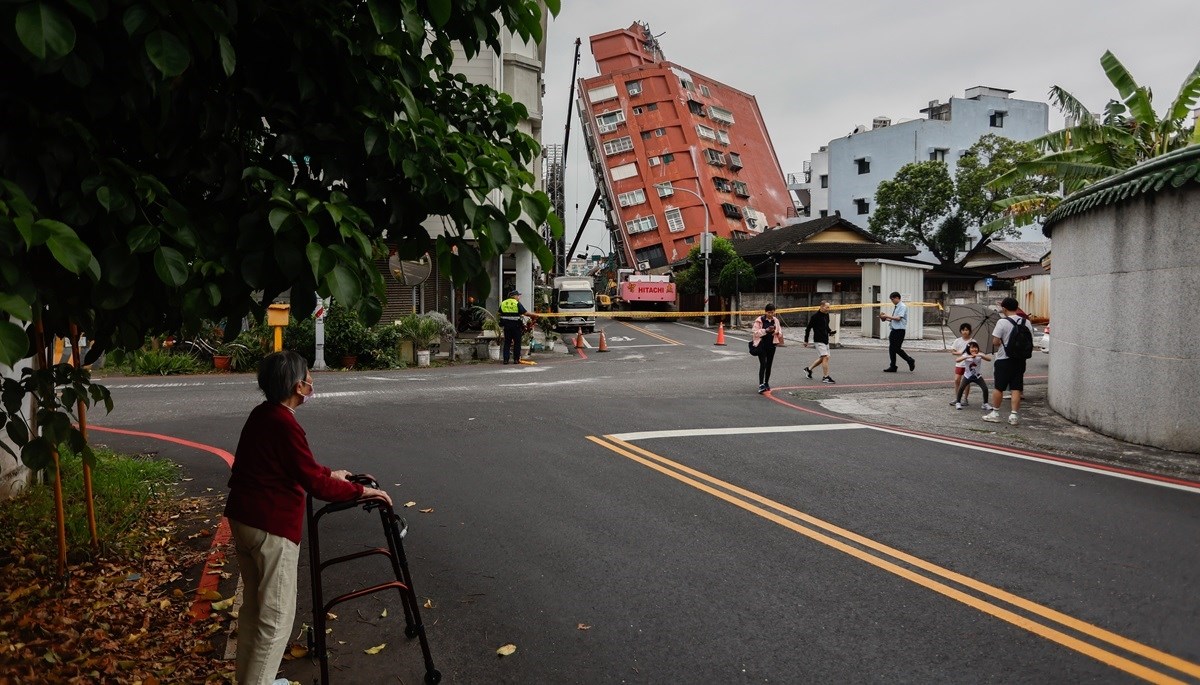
660, 137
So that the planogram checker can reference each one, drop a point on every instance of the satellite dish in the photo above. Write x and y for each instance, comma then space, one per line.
410, 272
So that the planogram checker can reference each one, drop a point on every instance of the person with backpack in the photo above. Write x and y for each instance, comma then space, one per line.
767, 333
1012, 338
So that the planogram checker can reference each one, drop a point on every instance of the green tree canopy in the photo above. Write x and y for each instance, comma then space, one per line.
691, 279
164, 163
912, 206
737, 276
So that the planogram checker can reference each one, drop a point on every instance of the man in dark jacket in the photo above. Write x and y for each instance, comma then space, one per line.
818, 326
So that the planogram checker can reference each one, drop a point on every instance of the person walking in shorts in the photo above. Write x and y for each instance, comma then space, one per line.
818, 326
1009, 373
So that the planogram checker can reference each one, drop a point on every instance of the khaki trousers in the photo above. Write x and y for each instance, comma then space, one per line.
267, 564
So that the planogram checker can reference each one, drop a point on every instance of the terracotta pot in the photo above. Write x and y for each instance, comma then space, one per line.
349, 360
222, 362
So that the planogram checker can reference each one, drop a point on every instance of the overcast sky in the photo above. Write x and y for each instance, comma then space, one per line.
819, 69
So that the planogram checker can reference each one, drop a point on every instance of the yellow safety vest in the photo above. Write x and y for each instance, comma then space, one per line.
510, 306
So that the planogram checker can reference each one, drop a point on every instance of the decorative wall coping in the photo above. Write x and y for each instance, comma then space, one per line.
1176, 168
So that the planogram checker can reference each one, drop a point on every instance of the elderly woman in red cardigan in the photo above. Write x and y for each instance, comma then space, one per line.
272, 470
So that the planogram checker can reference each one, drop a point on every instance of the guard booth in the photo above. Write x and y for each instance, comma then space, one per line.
882, 277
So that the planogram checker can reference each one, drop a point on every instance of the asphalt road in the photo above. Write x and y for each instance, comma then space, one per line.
644, 516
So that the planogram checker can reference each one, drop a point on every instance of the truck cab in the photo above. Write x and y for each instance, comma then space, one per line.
573, 298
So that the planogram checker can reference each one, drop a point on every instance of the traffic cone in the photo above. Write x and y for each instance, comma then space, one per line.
603, 343
720, 333
579, 339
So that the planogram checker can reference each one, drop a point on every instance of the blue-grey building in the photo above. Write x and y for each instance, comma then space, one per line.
858, 162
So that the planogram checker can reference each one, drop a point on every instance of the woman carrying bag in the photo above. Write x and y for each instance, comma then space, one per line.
768, 333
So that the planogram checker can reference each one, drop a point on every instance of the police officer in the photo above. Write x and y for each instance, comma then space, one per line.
511, 311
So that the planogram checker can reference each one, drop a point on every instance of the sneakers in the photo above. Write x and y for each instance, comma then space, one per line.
992, 417
808, 371
958, 405
952, 403
1012, 419
762, 387
912, 365
890, 369
966, 403
829, 380
987, 407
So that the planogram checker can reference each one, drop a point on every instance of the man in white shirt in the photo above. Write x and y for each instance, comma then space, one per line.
899, 319
1009, 373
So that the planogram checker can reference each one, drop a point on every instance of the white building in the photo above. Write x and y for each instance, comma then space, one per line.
518, 71
843, 176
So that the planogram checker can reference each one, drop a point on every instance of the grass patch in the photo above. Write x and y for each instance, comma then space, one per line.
124, 488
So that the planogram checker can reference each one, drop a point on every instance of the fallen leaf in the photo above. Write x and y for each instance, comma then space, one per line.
211, 595
583, 626
384, 614
223, 604
427, 511
428, 603
176, 592
507, 650
164, 603
410, 504
331, 616
376, 649
298, 651
204, 647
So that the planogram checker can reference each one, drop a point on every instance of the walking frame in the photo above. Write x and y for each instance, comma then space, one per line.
394, 530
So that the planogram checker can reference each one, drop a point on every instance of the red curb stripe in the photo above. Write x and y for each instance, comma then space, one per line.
210, 577
1010, 450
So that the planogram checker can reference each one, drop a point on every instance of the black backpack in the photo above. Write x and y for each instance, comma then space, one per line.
1020, 341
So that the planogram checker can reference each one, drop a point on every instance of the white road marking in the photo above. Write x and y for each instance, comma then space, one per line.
546, 384
121, 386
1041, 460
743, 430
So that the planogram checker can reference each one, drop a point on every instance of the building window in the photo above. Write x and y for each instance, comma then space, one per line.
633, 197
722, 137
608, 122
665, 189
696, 108
618, 145
740, 189
633, 87
823, 213
674, 220
641, 224
862, 206
996, 119
938, 154
714, 157
623, 171
645, 135
637, 111
722, 115
706, 132
731, 210
722, 184
667, 158
660, 132
705, 91
735, 161
863, 164
652, 256
690, 240
824, 180
654, 161
652, 106
602, 93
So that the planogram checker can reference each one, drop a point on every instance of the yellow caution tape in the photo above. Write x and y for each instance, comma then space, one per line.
743, 312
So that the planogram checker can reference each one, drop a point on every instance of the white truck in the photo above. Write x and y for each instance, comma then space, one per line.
573, 298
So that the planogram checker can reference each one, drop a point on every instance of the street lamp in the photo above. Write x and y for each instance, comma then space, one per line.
775, 256
705, 239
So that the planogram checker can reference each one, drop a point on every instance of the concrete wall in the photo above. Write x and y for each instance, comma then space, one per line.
1125, 359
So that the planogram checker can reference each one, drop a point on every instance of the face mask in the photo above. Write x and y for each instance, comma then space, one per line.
311, 392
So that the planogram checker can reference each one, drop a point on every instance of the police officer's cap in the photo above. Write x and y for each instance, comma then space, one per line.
514, 293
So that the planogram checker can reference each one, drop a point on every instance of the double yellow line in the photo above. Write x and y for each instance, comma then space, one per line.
890, 559
652, 334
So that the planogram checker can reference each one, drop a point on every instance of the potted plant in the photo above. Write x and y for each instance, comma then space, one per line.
551, 335
345, 336
424, 331
491, 332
